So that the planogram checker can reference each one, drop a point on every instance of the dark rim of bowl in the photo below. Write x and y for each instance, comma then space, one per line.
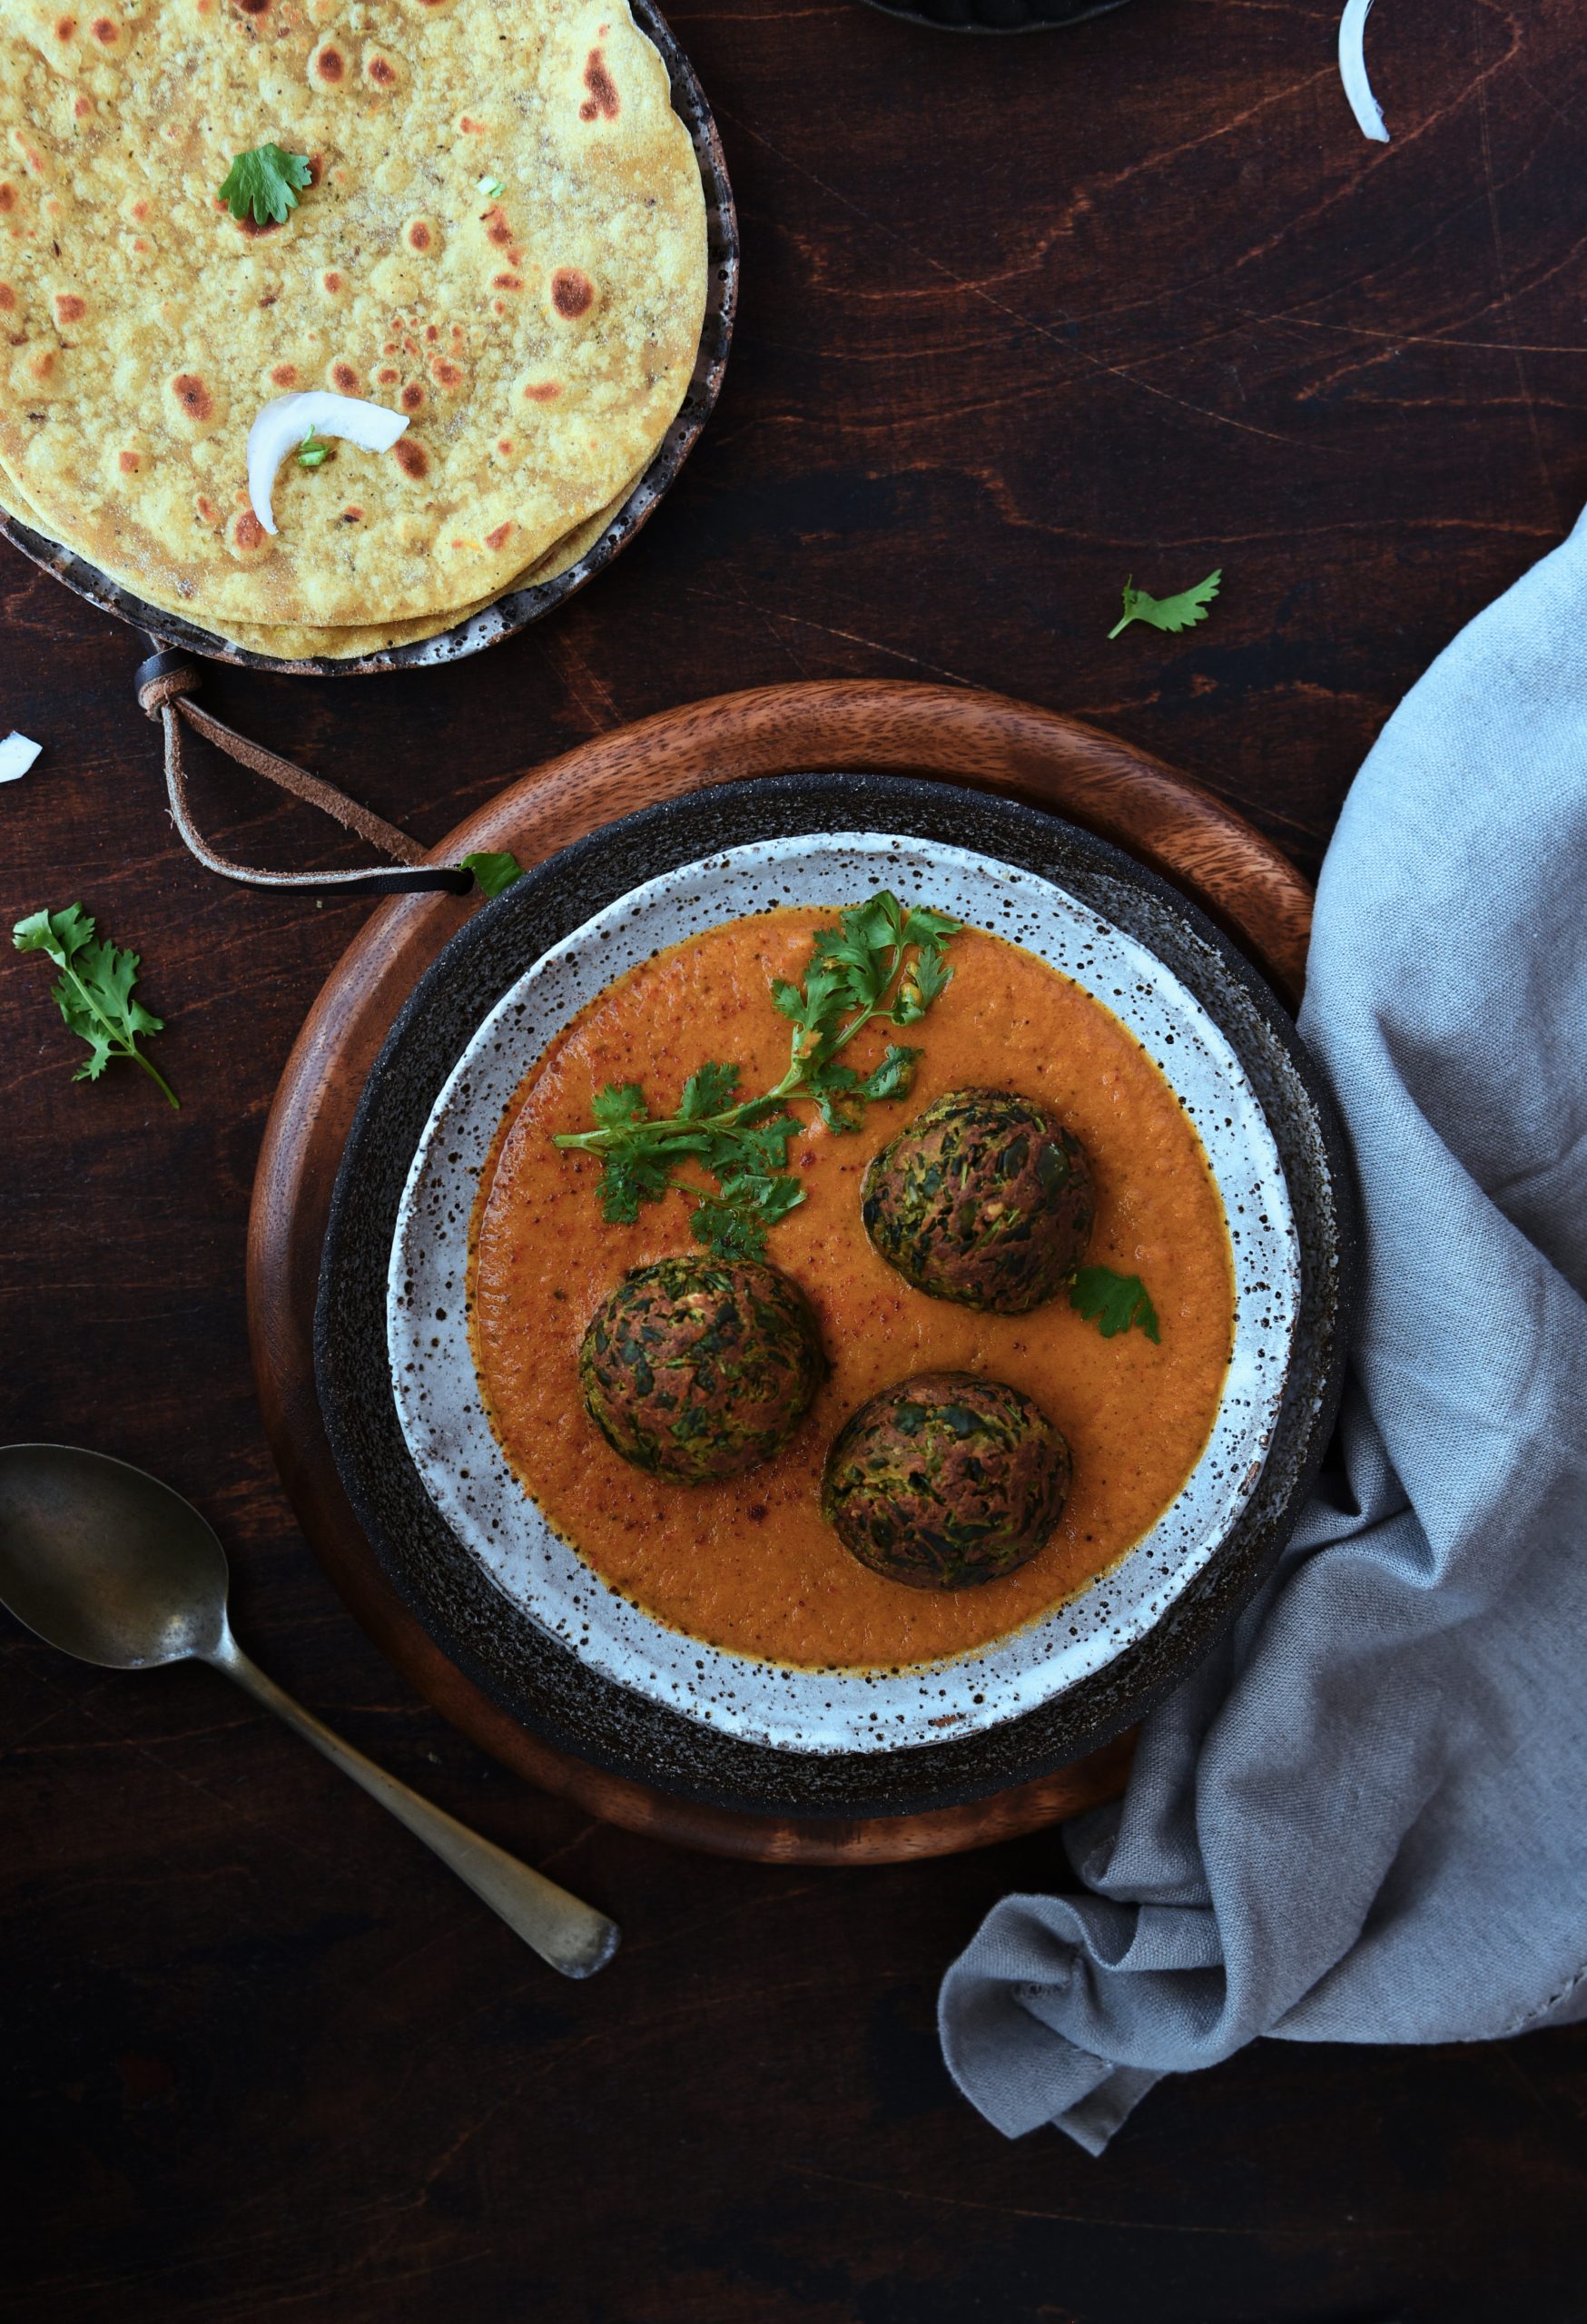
506, 615
534, 1677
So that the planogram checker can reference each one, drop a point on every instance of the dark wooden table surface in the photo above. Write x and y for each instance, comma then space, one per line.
1020, 318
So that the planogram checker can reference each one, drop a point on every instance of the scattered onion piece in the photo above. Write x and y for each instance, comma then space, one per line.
16, 756
1352, 70
282, 425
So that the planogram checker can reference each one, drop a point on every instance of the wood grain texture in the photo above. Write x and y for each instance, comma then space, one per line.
857, 726
1020, 318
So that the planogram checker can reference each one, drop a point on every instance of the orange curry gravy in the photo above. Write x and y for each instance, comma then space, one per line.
748, 1563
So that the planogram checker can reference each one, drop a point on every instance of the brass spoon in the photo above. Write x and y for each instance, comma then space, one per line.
107, 1563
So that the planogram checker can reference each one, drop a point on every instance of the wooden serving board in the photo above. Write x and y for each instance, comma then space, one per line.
982, 740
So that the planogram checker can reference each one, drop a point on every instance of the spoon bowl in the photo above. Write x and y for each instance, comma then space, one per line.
106, 1563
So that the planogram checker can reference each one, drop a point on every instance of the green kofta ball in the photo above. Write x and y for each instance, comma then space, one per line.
984, 1199
697, 1368
946, 1479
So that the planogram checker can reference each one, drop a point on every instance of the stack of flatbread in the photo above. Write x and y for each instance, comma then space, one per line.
502, 238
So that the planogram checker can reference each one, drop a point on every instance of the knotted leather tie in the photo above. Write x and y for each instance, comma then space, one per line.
166, 684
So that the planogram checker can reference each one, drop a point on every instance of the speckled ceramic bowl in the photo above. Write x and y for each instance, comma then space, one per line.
514, 1604
463, 1466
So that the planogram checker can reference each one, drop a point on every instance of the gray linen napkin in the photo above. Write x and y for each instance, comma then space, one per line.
1365, 1819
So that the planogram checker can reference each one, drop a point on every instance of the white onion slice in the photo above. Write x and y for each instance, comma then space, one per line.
16, 756
1352, 70
282, 425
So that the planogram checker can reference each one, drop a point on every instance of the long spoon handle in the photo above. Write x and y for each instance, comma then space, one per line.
571, 1936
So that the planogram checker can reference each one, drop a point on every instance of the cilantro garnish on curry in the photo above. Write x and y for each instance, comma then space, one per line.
883, 964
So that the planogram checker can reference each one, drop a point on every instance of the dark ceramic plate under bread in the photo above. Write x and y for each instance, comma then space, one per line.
506, 1595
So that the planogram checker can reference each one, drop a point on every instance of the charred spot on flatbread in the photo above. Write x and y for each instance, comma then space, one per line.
572, 292
330, 64
603, 102
246, 537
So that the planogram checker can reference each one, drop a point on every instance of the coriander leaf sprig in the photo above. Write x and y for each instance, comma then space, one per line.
94, 990
881, 964
494, 873
266, 181
1113, 1303
1182, 612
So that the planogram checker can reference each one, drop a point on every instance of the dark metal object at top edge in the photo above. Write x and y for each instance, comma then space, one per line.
998, 16
517, 609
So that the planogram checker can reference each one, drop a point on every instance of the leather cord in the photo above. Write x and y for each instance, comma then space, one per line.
165, 685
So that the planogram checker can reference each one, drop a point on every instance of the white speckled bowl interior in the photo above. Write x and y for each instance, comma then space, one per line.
487, 1509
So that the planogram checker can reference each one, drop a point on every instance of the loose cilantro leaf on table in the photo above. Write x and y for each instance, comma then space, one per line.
1113, 1302
267, 182
94, 990
881, 964
494, 874
1169, 613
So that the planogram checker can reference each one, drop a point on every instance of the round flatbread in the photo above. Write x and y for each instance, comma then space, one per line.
289, 642
541, 338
